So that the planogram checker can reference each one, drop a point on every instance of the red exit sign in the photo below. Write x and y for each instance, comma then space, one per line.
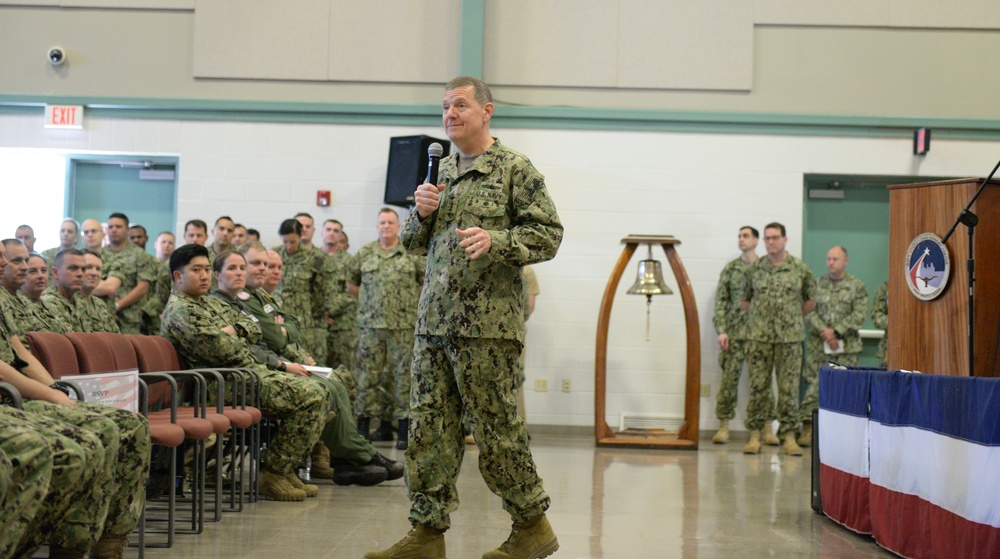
64, 116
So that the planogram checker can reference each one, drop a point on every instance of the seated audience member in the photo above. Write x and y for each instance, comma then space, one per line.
357, 461
60, 297
129, 272
275, 273
28, 317
106, 517
253, 235
206, 334
94, 313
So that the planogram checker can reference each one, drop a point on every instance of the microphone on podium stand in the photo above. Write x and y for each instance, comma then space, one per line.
434, 152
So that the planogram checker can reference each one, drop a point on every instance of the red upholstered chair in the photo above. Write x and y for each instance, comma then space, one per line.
96, 355
156, 353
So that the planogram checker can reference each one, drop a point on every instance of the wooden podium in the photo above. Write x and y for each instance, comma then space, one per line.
932, 336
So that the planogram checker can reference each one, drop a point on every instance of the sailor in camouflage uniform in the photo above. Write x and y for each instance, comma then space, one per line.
778, 292
275, 348
60, 296
69, 237
105, 517
207, 333
304, 287
129, 272
841, 308
880, 319
490, 216
25, 482
730, 321
342, 326
389, 283
27, 315
94, 313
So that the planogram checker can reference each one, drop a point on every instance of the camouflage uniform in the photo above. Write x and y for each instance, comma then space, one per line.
304, 287
156, 298
842, 306
64, 311
775, 328
131, 265
339, 435
731, 319
95, 315
389, 283
122, 467
342, 335
880, 319
27, 316
470, 330
195, 329
26, 481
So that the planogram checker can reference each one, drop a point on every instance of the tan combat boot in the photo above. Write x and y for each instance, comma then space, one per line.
309, 489
791, 448
531, 539
753, 447
768, 435
109, 547
278, 487
423, 542
806, 438
321, 468
722, 435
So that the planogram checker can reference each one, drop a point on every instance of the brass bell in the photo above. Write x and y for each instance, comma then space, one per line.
649, 282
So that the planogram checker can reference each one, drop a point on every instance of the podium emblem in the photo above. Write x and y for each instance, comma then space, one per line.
927, 266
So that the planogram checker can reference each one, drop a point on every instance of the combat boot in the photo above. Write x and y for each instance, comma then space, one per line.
109, 547
393, 469
423, 542
309, 489
279, 487
806, 438
403, 435
345, 473
768, 435
791, 448
722, 435
321, 468
531, 539
753, 447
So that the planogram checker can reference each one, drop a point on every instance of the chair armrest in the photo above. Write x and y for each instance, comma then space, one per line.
11, 395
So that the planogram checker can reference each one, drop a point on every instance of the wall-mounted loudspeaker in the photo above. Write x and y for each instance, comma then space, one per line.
408, 167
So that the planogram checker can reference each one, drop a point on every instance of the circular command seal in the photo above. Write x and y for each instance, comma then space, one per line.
927, 266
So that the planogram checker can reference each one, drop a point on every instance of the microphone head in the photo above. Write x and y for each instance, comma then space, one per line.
435, 150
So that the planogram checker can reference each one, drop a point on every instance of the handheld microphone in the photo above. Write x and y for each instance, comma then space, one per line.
434, 152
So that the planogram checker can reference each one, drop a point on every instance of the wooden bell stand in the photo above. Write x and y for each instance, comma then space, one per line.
687, 436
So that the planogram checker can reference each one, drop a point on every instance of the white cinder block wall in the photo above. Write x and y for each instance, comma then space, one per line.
698, 187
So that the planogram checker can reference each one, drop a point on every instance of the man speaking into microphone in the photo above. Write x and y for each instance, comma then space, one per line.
488, 215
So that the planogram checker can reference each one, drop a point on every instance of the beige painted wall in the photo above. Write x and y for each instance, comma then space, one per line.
799, 70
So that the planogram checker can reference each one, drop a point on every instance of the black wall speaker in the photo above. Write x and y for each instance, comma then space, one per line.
408, 167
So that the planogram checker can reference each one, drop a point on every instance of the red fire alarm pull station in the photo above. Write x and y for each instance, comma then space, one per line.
323, 198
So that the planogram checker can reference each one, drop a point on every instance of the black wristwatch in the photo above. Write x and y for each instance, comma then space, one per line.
281, 366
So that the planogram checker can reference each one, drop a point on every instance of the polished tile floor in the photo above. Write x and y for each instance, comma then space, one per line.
714, 503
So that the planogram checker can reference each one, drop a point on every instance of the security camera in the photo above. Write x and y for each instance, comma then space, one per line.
57, 56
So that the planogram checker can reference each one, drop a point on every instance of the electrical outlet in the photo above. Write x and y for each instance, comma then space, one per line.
567, 385
541, 385
706, 390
